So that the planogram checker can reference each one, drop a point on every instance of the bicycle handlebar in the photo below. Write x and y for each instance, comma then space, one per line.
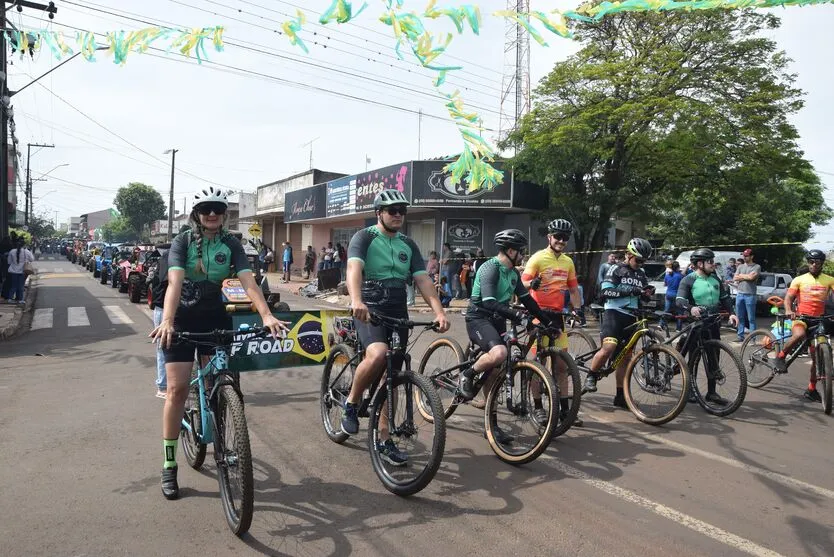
218, 334
398, 323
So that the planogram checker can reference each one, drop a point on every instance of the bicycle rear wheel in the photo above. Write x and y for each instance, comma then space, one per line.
580, 342
826, 375
757, 354
568, 389
192, 448
336, 379
656, 384
234, 461
729, 380
441, 354
422, 440
512, 430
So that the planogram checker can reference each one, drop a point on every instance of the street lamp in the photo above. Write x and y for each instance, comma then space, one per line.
53, 170
173, 153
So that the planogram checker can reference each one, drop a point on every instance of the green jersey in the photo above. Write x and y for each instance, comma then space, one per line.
220, 254
495, 281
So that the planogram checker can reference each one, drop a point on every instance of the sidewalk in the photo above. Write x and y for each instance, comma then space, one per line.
13, 316
297, 282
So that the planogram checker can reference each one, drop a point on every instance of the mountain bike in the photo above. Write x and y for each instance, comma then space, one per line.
522, 438
214, 414
761, 347
711, 362
653, 371
395, 400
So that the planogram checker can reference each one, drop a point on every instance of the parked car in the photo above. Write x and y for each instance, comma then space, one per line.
769, 284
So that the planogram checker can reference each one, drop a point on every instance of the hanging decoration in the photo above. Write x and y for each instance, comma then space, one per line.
291, 29
119, 43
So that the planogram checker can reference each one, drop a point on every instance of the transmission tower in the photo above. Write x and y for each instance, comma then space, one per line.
515, 85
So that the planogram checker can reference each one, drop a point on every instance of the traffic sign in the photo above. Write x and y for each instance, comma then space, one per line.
255, 230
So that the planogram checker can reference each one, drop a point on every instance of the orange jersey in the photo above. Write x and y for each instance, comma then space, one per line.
812, 293
557, 274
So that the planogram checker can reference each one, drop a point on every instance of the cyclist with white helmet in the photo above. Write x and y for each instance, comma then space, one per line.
625, 284
380, 262
200, 258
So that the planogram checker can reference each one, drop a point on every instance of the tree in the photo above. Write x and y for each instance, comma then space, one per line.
119, 230
41, 227
664, 115
139, 205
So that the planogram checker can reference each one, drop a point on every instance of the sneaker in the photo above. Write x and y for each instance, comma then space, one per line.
715, 398
620, 401
779, 365
692, 398
739, 340
389, 452
577, 422
501, 437
812, 395
467, 384
160, 393
170, 488
590, 383
350, 419
540, 416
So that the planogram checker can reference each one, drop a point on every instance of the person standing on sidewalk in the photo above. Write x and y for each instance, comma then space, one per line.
310, 262
287, 259
746, 277
17, 259
158, 286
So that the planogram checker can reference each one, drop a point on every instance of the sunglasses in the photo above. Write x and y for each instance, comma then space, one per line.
639, 260
397, 210
211, 207
561, 236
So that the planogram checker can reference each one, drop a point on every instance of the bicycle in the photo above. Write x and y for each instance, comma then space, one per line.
708, 354
660, 366
762, 345
405, 386
214, 414
511, 398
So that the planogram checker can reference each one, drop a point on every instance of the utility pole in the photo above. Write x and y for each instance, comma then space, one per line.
420, 134
310, 143
171, 195
5, 103
29, 209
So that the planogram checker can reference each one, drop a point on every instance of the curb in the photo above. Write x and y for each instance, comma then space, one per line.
31, 295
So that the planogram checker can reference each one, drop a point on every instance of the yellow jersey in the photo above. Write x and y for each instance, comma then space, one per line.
557, 275
812, 293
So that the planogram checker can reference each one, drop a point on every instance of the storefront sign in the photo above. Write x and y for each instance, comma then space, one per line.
306, 203
341, 194
369, 184
307, 343
465, 234
432, 187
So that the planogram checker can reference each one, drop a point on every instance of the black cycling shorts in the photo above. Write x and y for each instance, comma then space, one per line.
196, 322
369, 334
486, 333
614, 324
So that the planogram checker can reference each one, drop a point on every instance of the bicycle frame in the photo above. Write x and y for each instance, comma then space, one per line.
217, 368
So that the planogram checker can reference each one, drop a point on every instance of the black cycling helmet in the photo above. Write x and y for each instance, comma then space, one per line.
511, 238
815, 254
559, 225
386, 198
702, 254
640, 248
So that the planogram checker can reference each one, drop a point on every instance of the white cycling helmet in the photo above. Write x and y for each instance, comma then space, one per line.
211, 194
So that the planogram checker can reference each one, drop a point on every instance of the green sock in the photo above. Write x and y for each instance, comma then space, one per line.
169, 447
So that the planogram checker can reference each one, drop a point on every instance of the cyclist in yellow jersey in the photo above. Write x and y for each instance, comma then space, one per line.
548, 274
810, 290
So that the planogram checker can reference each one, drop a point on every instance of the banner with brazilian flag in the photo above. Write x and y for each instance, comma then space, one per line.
306, 344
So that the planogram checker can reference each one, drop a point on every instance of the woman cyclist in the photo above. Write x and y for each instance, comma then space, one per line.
199, 260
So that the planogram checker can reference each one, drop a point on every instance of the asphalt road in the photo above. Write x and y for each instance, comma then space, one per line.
81, 446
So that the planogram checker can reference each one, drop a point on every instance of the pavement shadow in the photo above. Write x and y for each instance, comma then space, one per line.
816, 539
269, 398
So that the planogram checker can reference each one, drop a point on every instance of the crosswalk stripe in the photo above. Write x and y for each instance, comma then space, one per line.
42, 318
117, 315
77, 317
59, 270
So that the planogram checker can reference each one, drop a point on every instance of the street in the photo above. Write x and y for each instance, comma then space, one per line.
81, 446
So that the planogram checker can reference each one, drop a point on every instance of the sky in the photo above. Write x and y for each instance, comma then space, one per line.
253, 113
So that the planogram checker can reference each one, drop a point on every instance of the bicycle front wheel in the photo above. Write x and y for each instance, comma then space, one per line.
568, 388
234, 461
656, 384
336, 380
825, 374
718, 377
757, 354
443, 353
419, 442
516, 431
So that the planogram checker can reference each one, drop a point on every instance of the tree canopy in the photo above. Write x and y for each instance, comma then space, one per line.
679, 120
139, 205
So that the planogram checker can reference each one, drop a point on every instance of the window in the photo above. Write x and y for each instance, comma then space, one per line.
767, 280
342, 236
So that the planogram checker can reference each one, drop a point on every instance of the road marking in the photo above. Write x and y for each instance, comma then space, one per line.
717, 534
117, 315
77, 317
775, 476
42, 319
